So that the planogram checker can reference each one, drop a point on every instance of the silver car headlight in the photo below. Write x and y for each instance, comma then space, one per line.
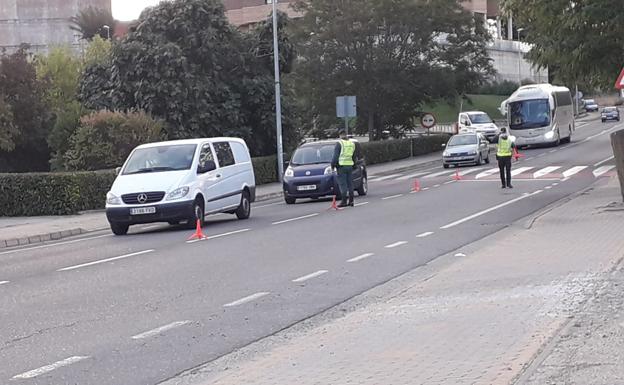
328, 170
178, 193
446, 154
289, 172
112, 199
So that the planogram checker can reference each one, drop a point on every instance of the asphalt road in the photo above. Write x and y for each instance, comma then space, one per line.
140, 309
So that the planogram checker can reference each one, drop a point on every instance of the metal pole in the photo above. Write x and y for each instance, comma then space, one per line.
577, 98
346, 118
278, 103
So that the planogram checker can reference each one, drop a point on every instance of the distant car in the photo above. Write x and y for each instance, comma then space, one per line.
591, 105
466, 149
310, 174
610, 113
479, 122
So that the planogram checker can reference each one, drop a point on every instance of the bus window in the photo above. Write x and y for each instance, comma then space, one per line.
528, 114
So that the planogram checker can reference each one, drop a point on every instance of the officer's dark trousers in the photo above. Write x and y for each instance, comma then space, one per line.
504, 167
345, 182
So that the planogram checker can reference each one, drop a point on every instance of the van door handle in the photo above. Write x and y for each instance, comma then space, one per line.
218, 175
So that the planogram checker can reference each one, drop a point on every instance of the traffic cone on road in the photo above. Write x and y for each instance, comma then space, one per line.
516, 154
334, 205
416, 187
198, 232
457, 177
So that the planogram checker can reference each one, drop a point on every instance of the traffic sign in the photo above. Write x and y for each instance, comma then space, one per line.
619, 83
428, 120
346, 107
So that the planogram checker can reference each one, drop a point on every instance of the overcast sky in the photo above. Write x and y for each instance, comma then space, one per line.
126, 10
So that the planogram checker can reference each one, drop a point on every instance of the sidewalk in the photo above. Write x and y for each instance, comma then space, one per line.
16, 231
482, 318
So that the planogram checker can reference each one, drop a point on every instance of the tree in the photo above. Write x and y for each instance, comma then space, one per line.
91, 21
8, 131
95, 90
106, 138
394, 55
32, 118
185, 64
579, 41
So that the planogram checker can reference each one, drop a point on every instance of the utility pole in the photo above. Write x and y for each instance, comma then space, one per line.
278, 97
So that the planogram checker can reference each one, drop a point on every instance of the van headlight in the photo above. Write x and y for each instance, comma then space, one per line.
112, 199
550, 135
328, 170
446, 154
178, 193
289, 172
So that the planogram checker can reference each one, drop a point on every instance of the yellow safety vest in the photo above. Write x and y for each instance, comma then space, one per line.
346, 153
504, 147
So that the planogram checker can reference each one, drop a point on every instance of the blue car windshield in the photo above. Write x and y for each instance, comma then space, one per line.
313, 155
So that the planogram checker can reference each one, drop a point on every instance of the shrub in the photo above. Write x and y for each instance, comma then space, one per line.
265, 169
386, 151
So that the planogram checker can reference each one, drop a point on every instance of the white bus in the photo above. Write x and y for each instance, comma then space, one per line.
540, 114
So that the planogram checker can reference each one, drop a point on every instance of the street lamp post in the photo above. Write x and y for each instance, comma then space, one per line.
519, 57
278, 103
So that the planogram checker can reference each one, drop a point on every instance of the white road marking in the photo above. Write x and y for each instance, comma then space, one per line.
460, 255
55, 244
602, 170
548, 187
449, 182
410, 176
385, 177
480, 213
361, 204
150, 227
268, 205
545, 171
540, 155
551, 151
310, 276
487, 173
249, 298
106, 260
573, 171
439, 174
3, 282
219, 235
437, 185
515, 180
424, 235
395, 244
470, 171
520, 170
537, 192
296, 219
162, 329
392, 197
530, 158
48, 368
361, 257
604, 161
555, 184
425, 189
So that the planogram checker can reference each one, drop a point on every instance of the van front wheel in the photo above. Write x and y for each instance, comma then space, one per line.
119, 228
244, 210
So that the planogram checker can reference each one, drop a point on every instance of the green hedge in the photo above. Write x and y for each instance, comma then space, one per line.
53, 193
68, 193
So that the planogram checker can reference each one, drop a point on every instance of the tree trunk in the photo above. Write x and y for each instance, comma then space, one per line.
617, 142
371, 125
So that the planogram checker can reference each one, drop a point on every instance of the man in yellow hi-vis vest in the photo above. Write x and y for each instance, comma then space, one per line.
503, 155
345, 160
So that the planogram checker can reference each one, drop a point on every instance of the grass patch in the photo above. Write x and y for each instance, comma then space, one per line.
447, 113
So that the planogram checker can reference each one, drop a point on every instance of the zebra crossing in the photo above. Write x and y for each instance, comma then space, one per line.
485, 173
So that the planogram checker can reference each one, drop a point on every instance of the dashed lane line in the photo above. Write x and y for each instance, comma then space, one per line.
54, 244
392, 197
424, 235
106, 260
49, 368
295, 219
604, 161
249, 298
310, 276
361, 204
395, 244
219, 235
360, 257
159, 330
4, 282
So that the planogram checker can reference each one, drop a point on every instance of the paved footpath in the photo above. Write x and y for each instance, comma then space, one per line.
481, 315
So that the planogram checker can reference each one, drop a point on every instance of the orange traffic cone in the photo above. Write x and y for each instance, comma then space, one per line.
416, 187
457, 176
334, 206
516, 154
198, 232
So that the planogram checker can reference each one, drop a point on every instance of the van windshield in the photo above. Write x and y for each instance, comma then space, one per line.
480, 118
313, 154
161, 158
529, 114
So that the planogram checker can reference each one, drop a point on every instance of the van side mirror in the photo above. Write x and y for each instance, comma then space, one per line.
117, 170
208, 166
467, 123
443, 144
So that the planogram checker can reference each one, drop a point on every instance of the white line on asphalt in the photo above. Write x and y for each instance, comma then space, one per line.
555, 184
423, 235
551, 151
537, 192
530, 158
449, 182
395, 244
48, 368
309, 276
385, 177
437, 185
520, 170
573, 171
545, 171
360, 257
425, 189
480, 213
548, 187
439, 174
219, 235
540, 155
486, 173
295, 219
3, 282
150, 227
515, 180
361, 204
392, 197
269, 205
604, 161
105, 260
470, 171
410, 176
55, 244
249, 298
162, 329
602, 170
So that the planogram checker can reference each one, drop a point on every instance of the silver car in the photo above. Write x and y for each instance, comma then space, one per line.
466, 149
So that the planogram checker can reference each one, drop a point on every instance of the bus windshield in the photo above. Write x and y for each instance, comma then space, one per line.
529, 114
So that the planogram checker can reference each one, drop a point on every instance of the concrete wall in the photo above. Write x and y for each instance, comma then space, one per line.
510, 63
41, 23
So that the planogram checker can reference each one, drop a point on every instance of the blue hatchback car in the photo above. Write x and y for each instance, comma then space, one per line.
310, 174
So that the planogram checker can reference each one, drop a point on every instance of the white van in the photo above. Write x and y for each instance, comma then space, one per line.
182, 181
478, 122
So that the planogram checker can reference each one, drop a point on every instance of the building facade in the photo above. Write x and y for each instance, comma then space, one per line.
41, 23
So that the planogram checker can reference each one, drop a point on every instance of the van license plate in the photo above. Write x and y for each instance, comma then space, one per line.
306, 188
143, 210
